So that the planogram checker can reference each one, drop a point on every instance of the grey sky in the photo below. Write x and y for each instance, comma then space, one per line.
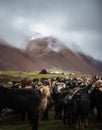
72, 21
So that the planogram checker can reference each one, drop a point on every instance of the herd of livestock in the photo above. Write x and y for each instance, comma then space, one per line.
72, 100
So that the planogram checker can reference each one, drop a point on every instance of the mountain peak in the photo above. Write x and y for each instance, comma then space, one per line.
46, 44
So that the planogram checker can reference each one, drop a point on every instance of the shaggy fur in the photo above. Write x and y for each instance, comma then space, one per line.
45, 90
21, 100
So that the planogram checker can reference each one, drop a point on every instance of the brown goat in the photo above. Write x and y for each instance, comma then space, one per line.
45, 90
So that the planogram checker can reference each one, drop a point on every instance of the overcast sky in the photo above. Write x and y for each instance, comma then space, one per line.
72, 21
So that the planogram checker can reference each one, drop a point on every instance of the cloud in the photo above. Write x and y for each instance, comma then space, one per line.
71, 21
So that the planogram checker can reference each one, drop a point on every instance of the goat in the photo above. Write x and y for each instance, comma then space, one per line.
45, 90
76, 108
21, 100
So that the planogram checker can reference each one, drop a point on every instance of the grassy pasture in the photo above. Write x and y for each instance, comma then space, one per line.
13, 122
29, 74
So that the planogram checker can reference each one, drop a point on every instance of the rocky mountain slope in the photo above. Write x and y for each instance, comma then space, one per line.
45, 53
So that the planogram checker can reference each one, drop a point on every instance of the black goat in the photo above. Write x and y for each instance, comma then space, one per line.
76, 109
96, 101
21, 100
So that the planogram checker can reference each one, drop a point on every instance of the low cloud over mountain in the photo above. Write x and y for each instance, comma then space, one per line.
45, 53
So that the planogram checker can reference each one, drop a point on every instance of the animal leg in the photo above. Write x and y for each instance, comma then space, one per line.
34, 122
0, 121
86, 122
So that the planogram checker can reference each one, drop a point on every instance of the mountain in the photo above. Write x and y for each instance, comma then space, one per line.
12, 58
46, 53
54, 53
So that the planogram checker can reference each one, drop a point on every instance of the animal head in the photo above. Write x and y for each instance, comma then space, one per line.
45, 90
